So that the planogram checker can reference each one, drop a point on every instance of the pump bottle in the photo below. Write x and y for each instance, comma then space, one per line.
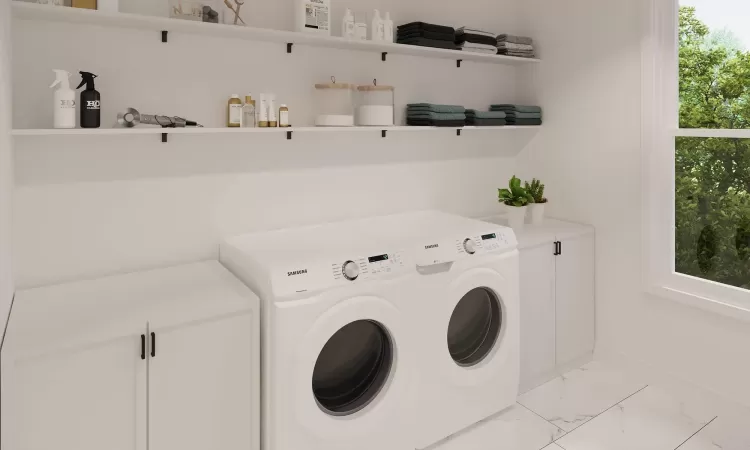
91, 116
64, 106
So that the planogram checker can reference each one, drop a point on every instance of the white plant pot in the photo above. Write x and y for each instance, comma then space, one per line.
516, 217
536, 211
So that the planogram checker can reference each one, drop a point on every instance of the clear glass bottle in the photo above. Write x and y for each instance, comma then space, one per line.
248, 113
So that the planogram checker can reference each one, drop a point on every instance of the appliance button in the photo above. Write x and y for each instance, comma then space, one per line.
469, 246
350, 269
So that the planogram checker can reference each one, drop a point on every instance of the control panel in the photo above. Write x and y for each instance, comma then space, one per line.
484, 243
367, 267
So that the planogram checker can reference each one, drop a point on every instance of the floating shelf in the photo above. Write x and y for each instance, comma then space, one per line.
227, 131
30, 11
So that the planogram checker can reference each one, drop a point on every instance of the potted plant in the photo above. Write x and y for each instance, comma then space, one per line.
536, 190
516, 198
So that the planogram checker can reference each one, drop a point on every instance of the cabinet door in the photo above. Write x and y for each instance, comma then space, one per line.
90, 398
537, 314
201, 386
576, 310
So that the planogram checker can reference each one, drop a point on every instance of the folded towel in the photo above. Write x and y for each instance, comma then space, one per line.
467, 30
516, 54
514, 39
476, 38
478, 46
515, 47
426, 26
429, 107
478, 50
427, 35
435, 116
486, 122
507, 107
435, 123
524, 121
485, 114
422, 42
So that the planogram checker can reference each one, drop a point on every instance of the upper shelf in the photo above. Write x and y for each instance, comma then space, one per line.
31, 11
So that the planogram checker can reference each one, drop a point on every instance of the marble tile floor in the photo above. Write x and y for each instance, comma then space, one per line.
605, 406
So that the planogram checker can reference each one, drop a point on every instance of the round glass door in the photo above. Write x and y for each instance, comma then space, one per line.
474, 327
352, 368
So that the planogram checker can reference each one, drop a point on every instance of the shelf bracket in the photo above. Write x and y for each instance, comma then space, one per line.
164, 35
458, 132
458, 62
288, 135
289, 46
164, 137
383, 56
383, 133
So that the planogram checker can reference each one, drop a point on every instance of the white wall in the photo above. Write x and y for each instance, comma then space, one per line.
589, 153
88, 206
6, 166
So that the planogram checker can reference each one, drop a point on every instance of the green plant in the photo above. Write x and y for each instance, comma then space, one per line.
515, 195
536, 189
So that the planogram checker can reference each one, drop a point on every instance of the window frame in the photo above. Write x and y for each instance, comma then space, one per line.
660, 127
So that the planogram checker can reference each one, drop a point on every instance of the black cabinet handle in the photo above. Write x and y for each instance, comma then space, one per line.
559, 247
153, 344
143, 346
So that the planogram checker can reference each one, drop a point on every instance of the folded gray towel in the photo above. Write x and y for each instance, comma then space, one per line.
435, 115
523, 115
515, 47
473, 113
514, 39
517, 108
429, 107
468, 30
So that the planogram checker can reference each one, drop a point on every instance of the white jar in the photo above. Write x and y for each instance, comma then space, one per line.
334, 104
375, 105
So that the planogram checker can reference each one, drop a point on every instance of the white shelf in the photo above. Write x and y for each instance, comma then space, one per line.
225, 131
30, 11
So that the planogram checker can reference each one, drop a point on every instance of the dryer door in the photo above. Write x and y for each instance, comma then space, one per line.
479, 327
352, 374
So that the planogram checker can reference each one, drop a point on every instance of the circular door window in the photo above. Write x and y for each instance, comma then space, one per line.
352, 368
474, 327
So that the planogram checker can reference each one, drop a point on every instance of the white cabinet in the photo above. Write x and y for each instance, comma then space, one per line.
158, 360
558, 311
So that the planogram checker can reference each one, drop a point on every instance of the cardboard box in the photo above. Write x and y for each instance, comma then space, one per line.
88, 4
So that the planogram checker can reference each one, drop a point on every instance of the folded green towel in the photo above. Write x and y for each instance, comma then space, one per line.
435, 116
435, 108
485, 114
519, 108
525, 122
435, 123
522, 115
486, 122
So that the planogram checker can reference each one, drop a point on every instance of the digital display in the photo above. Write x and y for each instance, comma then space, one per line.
489, 236
379, 258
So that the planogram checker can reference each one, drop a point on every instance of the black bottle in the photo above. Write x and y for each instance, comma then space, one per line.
90, 102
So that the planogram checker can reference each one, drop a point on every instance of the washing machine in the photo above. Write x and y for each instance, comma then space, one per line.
468, 348
338, 358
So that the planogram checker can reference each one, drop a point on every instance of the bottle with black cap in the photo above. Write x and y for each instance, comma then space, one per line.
90, 102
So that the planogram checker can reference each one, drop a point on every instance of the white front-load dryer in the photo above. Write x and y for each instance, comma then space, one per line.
338, 356
468, 350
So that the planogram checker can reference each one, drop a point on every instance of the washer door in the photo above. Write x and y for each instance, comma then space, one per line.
352, 367
479, 327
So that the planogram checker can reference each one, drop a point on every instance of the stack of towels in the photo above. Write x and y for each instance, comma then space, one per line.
427, 114
427, 35
485, 118
519, 114
519, 46
476, 41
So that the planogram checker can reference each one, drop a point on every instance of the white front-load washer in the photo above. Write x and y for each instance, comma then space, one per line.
338, 355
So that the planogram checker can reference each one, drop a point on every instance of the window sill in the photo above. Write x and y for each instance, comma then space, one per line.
700, 302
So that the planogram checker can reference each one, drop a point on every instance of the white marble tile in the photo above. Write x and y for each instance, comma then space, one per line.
553, 447
652, 419
576, 397
515, 428
724, 433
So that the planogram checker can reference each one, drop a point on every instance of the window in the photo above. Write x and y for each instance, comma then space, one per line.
697, 144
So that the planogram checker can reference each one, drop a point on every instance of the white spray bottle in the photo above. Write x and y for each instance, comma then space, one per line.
65, 101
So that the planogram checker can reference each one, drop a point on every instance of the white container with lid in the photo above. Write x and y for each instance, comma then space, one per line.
334, 104
375, 105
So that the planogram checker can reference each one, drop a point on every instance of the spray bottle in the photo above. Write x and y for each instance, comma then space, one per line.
91, 116
64, 106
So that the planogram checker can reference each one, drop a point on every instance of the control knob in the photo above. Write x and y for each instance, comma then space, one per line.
469, 246
350, 269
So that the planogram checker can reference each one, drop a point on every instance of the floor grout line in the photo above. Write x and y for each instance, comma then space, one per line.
536, 414
699, 430
597, 415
